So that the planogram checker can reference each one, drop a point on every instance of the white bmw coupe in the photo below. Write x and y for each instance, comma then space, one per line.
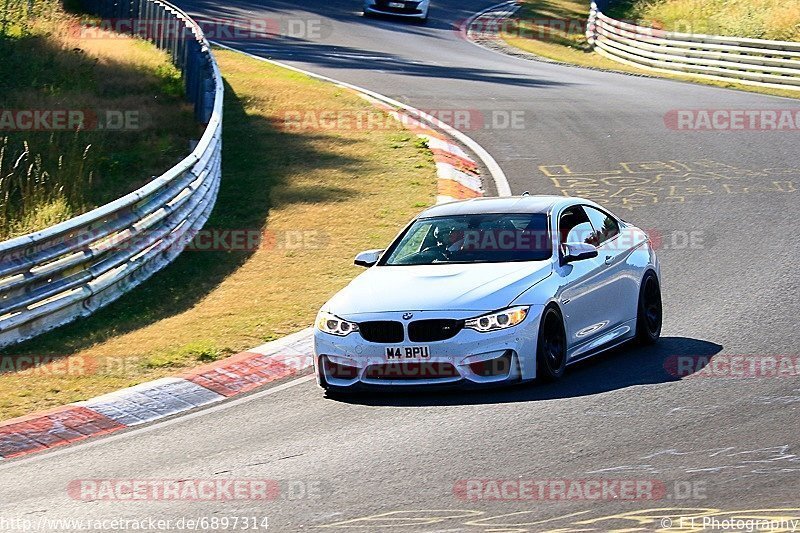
490, 291
413, 9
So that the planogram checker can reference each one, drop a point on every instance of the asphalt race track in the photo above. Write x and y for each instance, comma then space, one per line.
724, 206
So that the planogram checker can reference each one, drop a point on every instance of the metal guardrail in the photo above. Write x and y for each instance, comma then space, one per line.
69, 270
749, 61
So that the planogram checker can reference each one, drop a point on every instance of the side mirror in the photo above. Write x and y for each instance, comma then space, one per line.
369, 258
577, 251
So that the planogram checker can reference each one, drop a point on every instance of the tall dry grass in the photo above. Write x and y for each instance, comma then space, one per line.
41, 185
48, 177
758, 19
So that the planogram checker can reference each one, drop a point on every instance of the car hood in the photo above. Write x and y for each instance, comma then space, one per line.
473, 287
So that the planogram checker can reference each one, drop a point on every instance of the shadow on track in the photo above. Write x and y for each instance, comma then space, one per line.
616, 369
348, 58
317, 49
446, 16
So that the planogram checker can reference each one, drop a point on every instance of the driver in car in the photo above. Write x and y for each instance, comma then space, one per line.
447, 240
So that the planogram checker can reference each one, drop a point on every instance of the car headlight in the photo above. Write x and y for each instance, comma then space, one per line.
507, 318
334, 325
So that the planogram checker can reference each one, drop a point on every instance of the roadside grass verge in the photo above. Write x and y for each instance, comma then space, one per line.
533, 30
318, 196
58, 171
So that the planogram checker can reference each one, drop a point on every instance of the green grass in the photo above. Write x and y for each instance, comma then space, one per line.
18, 17
186, 355
319, 196
49, 176
569, 45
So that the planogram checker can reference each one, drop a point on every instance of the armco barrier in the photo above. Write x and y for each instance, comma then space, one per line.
72, 269
758, 62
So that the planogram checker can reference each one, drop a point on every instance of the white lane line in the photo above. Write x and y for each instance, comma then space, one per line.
79, 447
499, 177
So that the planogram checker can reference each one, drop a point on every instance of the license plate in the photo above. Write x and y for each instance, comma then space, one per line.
397, 353
400, 5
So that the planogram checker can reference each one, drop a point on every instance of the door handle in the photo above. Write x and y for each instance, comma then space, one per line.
609, 259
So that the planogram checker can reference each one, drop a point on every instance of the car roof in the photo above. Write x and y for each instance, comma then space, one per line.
509, 204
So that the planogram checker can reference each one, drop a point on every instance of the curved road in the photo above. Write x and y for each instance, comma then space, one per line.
726, 210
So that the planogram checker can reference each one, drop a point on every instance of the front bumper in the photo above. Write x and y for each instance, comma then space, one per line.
468, 359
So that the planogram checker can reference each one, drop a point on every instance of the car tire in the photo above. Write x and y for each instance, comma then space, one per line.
551, 348
650, 314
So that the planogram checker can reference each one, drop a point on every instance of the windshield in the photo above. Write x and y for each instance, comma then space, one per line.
484, 238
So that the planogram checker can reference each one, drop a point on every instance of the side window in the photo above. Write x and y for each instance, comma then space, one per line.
574, 226
605, 227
